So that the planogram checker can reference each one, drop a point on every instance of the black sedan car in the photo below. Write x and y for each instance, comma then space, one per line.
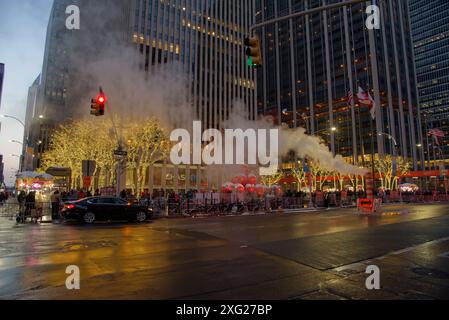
90, 210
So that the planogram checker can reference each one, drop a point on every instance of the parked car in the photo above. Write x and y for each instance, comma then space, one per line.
90, 210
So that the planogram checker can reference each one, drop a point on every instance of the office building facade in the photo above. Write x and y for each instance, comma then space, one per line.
2, 75
63, 87
2, 167
313, 63
32, 126
430, 28
204, 38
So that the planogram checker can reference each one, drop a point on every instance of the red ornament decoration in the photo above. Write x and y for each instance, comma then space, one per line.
252, 179
250, 188
240, 188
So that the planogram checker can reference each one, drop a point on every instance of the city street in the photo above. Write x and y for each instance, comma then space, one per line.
315, 255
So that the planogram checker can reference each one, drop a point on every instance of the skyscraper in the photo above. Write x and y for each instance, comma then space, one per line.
2, 75
202, 37
62, 88
430, 27
32, 124
2, 166
315, 63
206, 37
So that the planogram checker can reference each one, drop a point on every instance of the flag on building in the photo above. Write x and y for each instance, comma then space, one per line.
350, 97
437, 135
366, 99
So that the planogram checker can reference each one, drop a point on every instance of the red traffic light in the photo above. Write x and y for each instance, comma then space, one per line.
101, 99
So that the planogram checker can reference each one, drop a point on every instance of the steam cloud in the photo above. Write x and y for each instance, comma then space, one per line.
162, 93
303, 145
134, 94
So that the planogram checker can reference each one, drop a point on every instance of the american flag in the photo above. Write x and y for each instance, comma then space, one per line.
350, 97
366, 99
437, 135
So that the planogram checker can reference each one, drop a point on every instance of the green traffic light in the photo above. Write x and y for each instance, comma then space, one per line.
252, 64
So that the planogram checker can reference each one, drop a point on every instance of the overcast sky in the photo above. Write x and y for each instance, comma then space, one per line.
23, 25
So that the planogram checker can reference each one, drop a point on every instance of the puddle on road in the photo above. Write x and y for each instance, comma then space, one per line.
76, 246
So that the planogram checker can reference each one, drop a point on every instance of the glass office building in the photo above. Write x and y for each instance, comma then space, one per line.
313, 62
58, 93
206, 38
2, 74
430, 28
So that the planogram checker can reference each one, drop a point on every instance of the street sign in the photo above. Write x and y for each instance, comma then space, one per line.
87, 182
89, 167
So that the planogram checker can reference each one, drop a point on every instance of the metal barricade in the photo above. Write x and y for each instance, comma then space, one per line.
28, 212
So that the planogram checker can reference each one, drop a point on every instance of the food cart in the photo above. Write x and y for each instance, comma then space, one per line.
42, 184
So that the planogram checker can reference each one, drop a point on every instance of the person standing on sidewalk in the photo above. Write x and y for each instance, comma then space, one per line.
55, 201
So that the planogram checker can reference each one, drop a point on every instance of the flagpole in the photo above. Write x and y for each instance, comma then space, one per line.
368, 100
373, 166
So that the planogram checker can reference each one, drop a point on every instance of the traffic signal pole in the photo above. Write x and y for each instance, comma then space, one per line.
307, 12
121, 159
98, 107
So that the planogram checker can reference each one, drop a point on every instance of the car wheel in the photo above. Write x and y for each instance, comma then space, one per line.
89, 218
141, 217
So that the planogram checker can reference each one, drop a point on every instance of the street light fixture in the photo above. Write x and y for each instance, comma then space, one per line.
15, 156
333, 129
14, 118
302, 115
389, 136
16, 141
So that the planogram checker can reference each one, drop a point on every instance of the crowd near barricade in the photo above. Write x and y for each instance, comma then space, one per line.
27, 211
29, 208
213, 203
235, 204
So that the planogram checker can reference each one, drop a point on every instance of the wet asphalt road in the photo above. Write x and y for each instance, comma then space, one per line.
320, 255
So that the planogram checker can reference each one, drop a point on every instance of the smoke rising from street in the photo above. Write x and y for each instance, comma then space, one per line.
163, 93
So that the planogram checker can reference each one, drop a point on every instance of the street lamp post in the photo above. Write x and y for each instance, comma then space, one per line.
26, 138
303, 116
331, 130
16, 141
14, 118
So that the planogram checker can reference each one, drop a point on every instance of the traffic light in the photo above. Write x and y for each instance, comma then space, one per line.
94, 108
98, 105
101, 102
253, 52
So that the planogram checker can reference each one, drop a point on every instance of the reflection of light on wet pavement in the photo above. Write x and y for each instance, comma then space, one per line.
173, 258
392, 214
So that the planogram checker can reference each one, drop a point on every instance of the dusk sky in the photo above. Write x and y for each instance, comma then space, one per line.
23, 25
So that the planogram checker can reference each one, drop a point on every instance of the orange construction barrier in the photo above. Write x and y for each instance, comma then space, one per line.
368, 205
